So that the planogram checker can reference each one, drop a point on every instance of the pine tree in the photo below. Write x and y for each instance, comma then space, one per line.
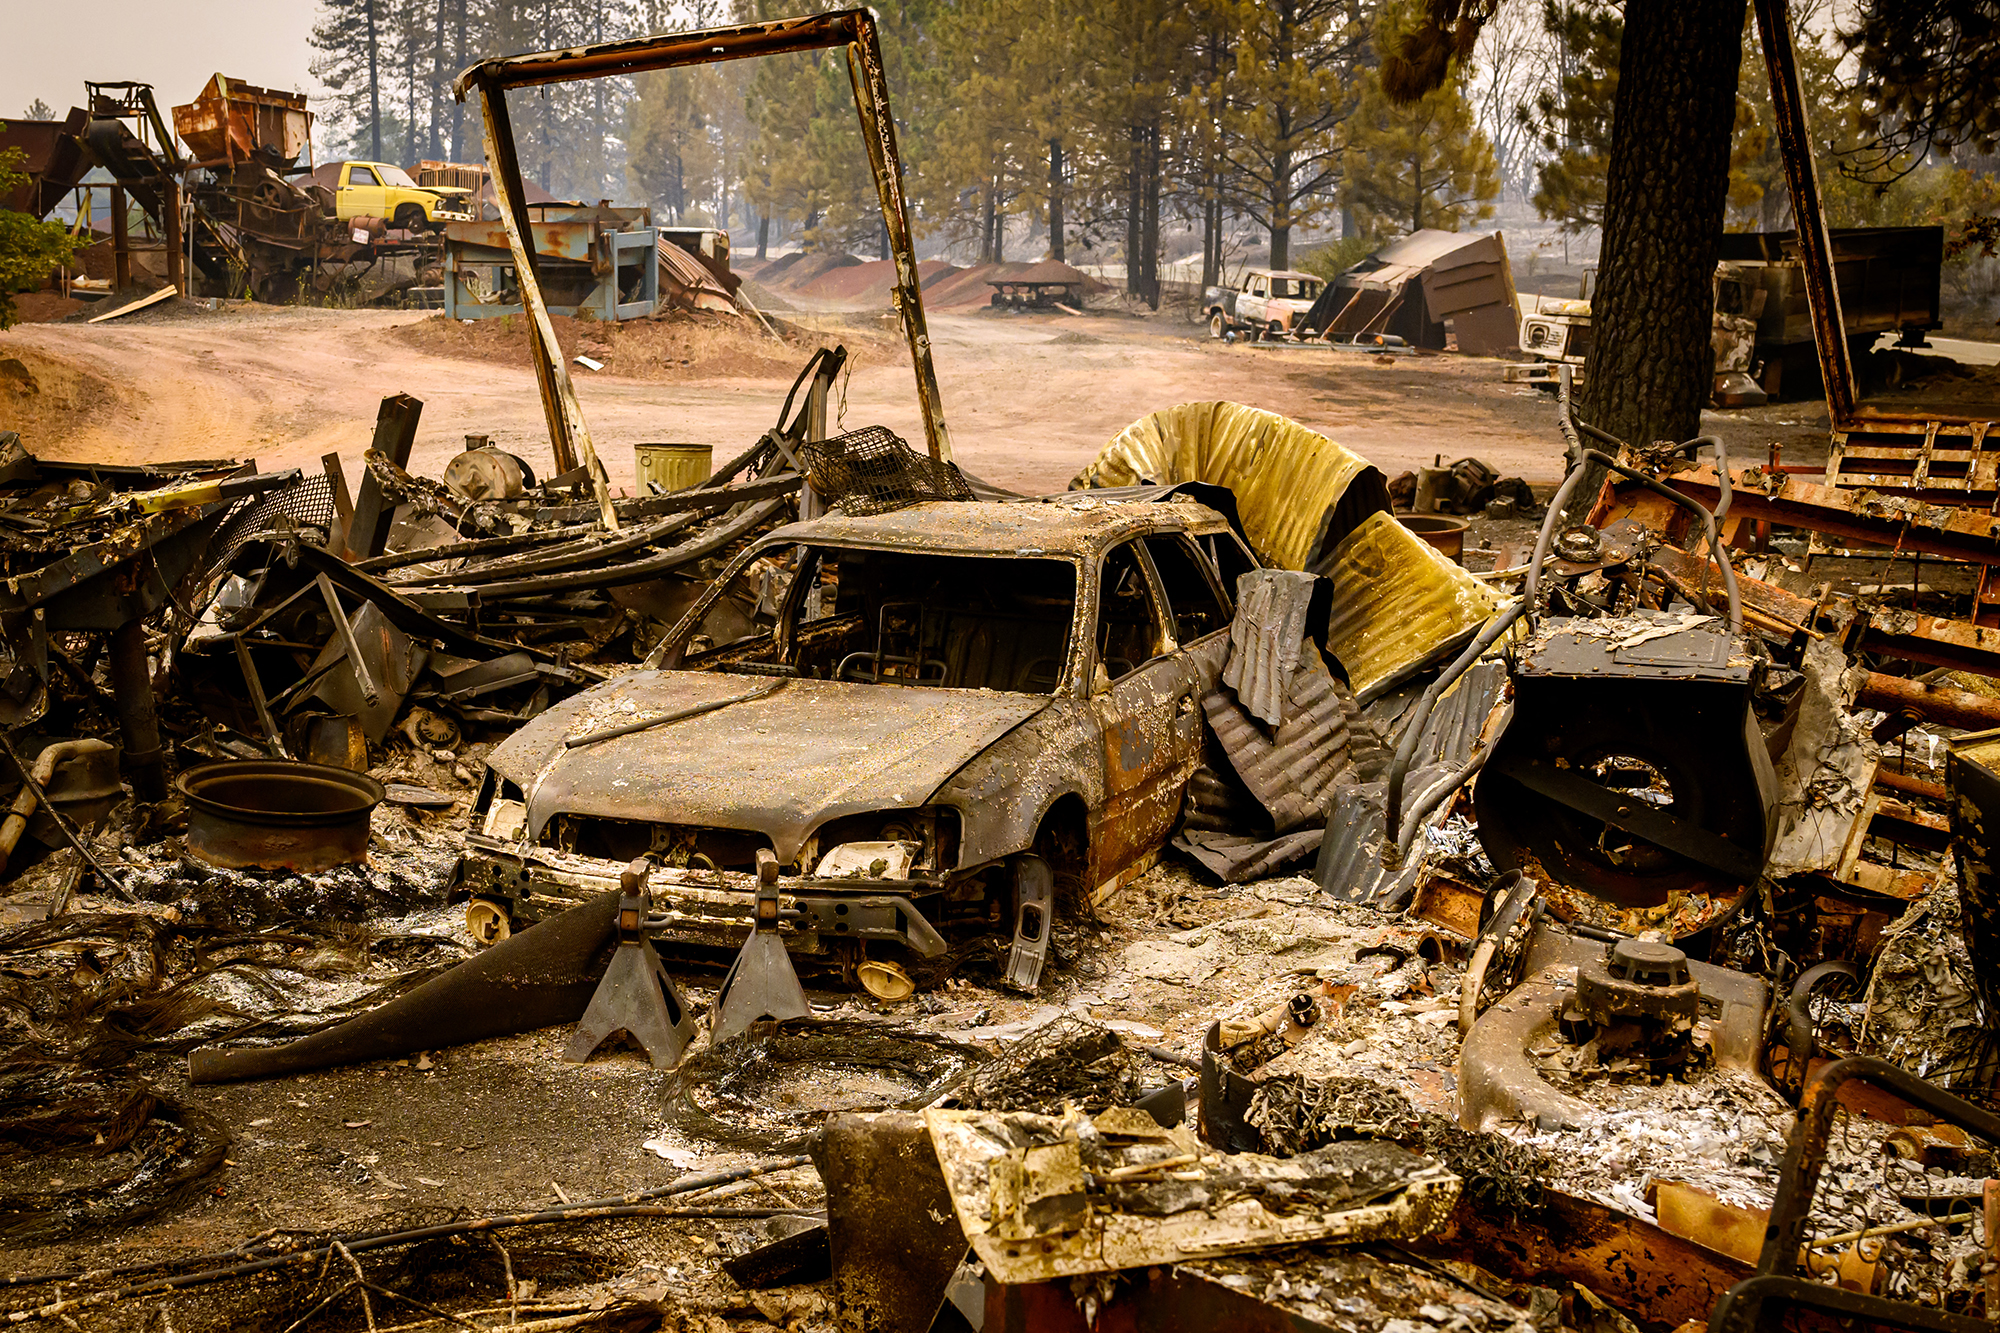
1292, 85
348, 40
1573, 118
1422, 165
39, 110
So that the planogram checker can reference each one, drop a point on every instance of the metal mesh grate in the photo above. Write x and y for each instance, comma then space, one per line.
872, 471
308, 503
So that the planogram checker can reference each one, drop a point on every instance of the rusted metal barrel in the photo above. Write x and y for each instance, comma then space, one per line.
277, 814
1442, 531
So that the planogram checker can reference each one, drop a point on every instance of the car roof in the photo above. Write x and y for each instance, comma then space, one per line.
1286, 273
1078, 523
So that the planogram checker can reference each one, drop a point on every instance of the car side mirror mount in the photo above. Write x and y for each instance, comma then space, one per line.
1100, 680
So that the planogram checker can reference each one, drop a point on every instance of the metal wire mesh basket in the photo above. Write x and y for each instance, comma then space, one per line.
872, 471
308, 502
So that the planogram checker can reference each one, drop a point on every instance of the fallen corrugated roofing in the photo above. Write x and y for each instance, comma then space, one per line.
1350, 858
1292, 773
1272, 608
1299, 493
1397, 604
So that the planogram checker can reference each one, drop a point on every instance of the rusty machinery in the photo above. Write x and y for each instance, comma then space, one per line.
1630, 774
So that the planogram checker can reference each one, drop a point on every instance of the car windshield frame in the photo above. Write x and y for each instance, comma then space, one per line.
789, 623
396, 176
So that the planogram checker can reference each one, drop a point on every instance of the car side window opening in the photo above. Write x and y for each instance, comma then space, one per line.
361, 176
1128, 625
1230, 559
1191, 598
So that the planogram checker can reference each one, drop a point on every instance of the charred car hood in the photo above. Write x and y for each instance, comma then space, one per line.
780, 764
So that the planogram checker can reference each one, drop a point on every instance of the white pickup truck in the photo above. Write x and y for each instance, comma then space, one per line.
1266, 302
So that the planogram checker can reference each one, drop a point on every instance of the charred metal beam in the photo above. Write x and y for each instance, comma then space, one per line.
1795, 146
395, 436
852, 28
1900, 523
569, 434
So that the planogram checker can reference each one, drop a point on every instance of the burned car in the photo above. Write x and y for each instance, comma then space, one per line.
932, 728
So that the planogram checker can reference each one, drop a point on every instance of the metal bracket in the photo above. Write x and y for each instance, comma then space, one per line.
1034, 900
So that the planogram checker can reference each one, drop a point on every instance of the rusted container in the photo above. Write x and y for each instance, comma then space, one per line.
232, 121
1442, 531
675, 466
277, 814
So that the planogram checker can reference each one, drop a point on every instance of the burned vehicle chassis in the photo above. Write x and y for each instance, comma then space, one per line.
1019, 803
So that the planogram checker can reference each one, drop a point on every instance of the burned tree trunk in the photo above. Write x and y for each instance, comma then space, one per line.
374, 85
1668, 179
1055, 199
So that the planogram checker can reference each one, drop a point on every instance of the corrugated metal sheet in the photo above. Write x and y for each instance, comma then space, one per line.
1299, 493
1218, 802
1397, 604
1272, 607
1350, 859
686, 281
1292, 772
1236, 859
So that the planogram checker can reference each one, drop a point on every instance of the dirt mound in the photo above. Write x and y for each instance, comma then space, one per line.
697, 345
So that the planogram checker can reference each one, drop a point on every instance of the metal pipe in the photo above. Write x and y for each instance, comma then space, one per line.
132, 681
63, 824
1945, 707
1406, 744
43, 771
1441, 791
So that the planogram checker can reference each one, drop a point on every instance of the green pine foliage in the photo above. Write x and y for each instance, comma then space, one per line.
30, 249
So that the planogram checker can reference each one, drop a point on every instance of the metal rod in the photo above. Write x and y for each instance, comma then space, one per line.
255, 684
569, 435
369, 693
678, 715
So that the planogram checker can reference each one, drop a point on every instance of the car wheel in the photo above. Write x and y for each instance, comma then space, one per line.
410, 217
1217, 325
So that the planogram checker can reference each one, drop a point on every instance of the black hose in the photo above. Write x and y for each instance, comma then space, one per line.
1406, 744
1440, 792
1721, 468
1798, 1019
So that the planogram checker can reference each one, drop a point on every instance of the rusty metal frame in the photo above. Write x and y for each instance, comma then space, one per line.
1777, 1282
853, 29
1774, 31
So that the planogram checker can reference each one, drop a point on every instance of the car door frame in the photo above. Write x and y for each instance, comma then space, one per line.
1150, 723
379, 192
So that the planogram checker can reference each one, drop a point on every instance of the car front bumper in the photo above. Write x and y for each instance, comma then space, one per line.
703, 906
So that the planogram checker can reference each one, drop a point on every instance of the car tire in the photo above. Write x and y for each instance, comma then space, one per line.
410, 217
1217, 325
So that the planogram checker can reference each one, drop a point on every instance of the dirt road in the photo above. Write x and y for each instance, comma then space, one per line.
1030, 399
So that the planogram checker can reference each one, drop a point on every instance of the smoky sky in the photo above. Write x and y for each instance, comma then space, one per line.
47, 50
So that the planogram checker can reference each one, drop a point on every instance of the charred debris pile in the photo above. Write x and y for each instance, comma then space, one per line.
1634, 963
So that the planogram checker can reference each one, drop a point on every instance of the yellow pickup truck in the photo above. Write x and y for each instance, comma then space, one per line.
380, 190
